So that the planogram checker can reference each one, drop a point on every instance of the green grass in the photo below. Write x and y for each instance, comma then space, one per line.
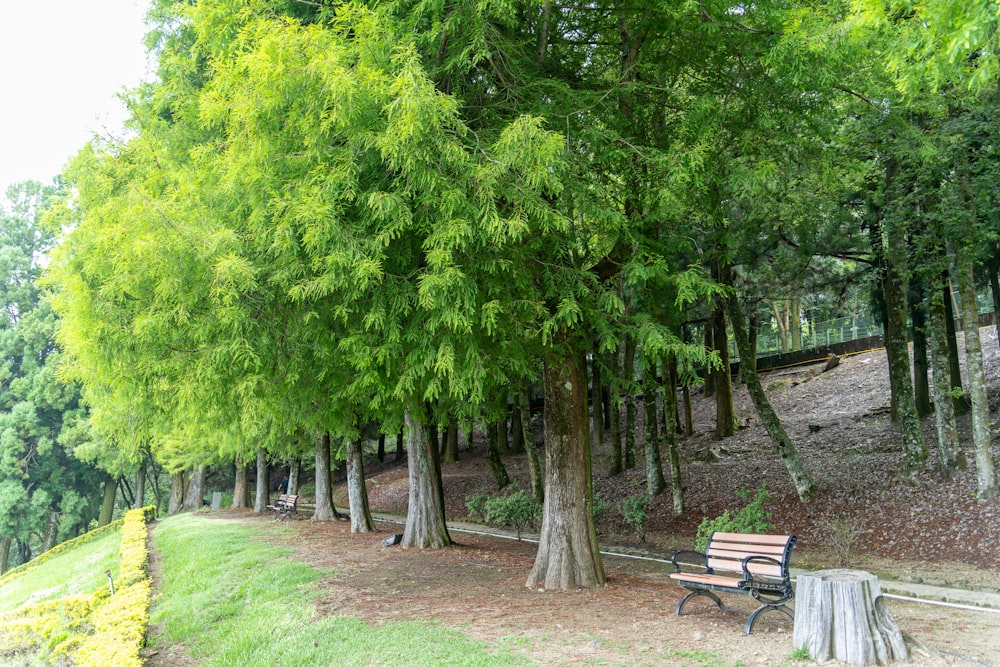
233, 600
77, 571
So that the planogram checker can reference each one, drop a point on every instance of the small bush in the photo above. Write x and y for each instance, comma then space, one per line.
634, 514
517, 509
752, 518
842, 532
601, 507
476, 505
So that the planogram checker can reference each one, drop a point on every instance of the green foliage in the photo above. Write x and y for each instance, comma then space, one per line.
476, 505
518, 509
634, 514
751, 518
601, 507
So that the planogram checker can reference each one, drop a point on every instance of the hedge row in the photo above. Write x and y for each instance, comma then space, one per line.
98, 629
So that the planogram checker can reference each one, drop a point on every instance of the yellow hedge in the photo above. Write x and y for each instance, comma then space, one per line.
99, 629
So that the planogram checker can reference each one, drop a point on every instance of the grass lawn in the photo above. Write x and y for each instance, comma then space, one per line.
233, 600
77, 571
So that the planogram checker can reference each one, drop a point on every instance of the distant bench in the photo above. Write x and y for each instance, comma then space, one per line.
285, 505
754, 565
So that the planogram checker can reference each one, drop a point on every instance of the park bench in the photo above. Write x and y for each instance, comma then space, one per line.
285, 505
754, 565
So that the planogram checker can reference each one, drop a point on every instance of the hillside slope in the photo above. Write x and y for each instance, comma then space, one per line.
853, 456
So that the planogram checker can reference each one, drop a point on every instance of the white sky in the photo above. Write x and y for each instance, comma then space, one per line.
61, 64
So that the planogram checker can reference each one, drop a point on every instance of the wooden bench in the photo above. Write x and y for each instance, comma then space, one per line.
754, 565
285, 505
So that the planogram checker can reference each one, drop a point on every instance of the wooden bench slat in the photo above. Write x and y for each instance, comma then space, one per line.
710, 579
740, 538
756, 568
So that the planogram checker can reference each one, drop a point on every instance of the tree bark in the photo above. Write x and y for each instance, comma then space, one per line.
324, 482
795, 322
497, 469
841, 615
262, 490
294, 471
596, 403
670, 434
804, 485
4, 552
380, 452
959, 399
399, 444
516, 428
628, 373
451, 440
51, 531
655, 483
897, 351
177, 486
995, 291
726, 423
357, 493
530, 449
568, 554
615, 415
426, 526
108, 504
951, 457
241, 487
918, 319
986, 469
140, 485
194, 497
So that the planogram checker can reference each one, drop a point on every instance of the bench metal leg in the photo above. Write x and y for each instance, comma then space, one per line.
708, 594
768, 607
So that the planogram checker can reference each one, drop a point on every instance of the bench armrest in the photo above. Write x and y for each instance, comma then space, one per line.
748, 575
698, 559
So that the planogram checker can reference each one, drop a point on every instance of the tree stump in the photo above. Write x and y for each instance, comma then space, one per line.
841, 615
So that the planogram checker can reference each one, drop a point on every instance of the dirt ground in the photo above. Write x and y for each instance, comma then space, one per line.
926, 532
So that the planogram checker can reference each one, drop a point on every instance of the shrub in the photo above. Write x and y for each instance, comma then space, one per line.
476, 505
518, 510
634, 514
752, 518
842, 533
601, 507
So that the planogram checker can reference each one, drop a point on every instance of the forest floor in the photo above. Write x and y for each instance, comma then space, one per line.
928, 531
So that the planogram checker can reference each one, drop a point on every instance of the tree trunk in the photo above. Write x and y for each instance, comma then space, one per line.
357, 492
568, 554
4, 552
108, 504
262, 490
530, 449
726, 423
795, 322
597, 404
241, 487
380, 452
898, 353
689, 411
841, 615
655, 483
516, 428
51, 531
960, 399
670, 434
140, 486
951, 457
469, 432
294, 470
995, 291
324, 483
628, 373
426, 526
986, 470
918, 319
451, 440
194, 498
804, 485
710, 370
399, 444
177, 485
497, 468
615, 415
